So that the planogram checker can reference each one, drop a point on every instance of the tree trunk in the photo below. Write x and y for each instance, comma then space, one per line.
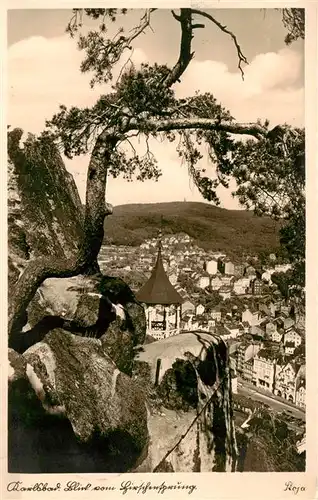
86, 259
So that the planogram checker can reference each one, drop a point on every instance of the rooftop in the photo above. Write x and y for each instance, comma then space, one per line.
158, 289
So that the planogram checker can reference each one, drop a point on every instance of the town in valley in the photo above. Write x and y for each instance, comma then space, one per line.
234, 298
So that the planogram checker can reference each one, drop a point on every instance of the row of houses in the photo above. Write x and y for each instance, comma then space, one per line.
207, 270
264, 365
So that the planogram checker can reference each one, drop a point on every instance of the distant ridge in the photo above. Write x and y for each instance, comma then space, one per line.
213, 228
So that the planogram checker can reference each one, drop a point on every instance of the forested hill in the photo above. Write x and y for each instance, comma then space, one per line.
212, 227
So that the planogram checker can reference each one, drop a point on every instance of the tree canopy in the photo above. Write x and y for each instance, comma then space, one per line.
268, 166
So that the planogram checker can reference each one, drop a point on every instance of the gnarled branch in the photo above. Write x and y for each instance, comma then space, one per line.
241, 57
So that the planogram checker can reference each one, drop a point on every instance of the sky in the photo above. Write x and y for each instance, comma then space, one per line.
43, 72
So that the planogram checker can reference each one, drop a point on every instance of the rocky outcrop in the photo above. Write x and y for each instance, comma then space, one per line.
78, 305
191, 427
70, 397
44, 209
68, 388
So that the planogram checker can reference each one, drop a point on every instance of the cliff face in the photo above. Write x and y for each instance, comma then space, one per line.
77, 395
44, 208
191, 428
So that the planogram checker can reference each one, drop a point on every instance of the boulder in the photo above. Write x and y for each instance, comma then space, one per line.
67, 388
77, 304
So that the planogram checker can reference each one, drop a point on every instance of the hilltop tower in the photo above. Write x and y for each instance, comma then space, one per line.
161, 301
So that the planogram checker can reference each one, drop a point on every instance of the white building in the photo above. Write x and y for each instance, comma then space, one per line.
285, 380
292, 336
212, 266
229, 267
199, 309
264, 369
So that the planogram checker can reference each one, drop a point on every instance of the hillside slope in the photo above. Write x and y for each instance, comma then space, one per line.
213, 228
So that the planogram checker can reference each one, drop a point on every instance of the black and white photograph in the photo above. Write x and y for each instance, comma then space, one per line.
156, 193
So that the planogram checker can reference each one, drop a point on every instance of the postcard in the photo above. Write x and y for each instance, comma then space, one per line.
160, 184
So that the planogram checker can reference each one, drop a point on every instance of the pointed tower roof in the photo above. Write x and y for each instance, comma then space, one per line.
158, 289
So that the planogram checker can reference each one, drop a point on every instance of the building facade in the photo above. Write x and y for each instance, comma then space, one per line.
285, 382
264, 370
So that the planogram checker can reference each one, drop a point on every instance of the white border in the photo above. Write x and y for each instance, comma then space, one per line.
209, 485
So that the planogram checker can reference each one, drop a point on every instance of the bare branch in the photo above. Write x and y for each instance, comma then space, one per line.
132, 146
144, 23
241, 57
123, 68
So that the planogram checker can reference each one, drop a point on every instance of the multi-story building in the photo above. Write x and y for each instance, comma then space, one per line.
238, 269
227, 280
229, 267
264, 369
199, 309
292, 336
257, 287
271, 327
233, 328
246, 353
277, 335
285, 381
204, 281
248, 370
